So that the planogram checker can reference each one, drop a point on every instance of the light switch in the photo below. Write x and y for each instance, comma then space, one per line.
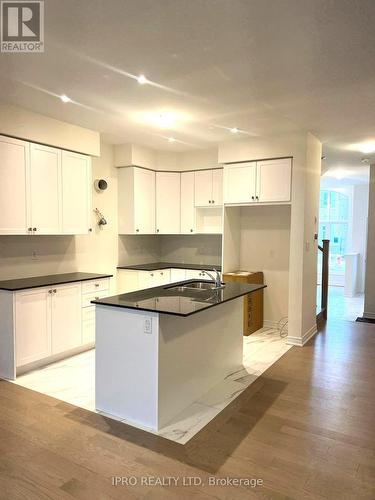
147, 328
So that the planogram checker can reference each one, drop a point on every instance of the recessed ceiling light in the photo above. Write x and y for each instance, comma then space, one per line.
171, 139
65, 98
142, 79
234, 130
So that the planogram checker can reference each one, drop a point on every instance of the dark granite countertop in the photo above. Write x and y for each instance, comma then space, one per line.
176, 300
52, 279
152, 266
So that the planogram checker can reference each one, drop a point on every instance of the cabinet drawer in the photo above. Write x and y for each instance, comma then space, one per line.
88, 297
95, 285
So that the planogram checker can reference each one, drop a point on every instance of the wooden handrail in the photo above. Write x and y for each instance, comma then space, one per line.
325, 277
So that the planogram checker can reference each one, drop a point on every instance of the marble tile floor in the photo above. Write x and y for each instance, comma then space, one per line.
59, 380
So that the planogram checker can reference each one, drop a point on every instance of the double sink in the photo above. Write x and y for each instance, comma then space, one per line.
199, 291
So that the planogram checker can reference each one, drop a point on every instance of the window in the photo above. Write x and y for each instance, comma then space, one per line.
333, 226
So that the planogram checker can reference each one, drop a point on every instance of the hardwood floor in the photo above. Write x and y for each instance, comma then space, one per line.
305, 428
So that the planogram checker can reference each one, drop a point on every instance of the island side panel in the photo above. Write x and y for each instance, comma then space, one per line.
126, 375
196, 353
7, 336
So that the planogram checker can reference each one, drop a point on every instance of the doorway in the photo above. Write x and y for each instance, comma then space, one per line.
343, 211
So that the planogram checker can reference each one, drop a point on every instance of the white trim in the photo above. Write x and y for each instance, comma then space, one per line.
301, 341
368, 315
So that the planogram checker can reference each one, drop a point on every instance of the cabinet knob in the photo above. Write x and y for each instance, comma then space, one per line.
29, 228
253, 197
191, 230
157, 230
54, 290
49, 291
209, 201
90, 229
213, 202
161, 274
137, 230
96, 284
152, 274
34, 229
257, 197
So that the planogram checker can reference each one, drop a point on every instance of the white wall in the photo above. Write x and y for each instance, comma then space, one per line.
23, 124
192, 249
264, 246
359, 230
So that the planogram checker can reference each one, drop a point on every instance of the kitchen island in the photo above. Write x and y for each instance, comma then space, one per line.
159, 350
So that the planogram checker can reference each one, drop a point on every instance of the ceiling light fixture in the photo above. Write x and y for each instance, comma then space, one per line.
65, 98
363, 147
171, 139
142, 79
234, 130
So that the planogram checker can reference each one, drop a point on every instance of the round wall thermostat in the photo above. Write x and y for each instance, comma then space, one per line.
100, 184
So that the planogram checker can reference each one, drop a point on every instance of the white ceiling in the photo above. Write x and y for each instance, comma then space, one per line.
264, 66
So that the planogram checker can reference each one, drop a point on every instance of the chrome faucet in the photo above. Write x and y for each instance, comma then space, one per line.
216, 279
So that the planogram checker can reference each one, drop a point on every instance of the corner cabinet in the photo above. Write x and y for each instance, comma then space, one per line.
267, 181
168, 199
136, 200
43, 190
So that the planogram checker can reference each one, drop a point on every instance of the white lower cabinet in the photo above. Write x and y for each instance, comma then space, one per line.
52, 320
132, 280
32, 325
66, 317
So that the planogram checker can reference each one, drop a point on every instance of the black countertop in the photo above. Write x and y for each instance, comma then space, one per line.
52, 279
173, 299
152, 266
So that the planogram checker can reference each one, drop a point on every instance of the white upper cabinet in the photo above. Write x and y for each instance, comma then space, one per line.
187, 203
168, 185
267, 181
208, 188
43, 190
14, 195
76, 199
217, 186
136, 200
45, 194
274, 180
240, 183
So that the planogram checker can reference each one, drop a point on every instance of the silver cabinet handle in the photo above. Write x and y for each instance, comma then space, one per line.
96, 284
157, 230
152, 274
54, 290
137, 230
34, 229
49, 291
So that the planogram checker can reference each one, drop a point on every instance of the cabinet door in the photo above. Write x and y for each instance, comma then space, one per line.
45, 192
240, 183
146, 279
144, 201
76, 193
217, 187
66, 317
168, 202
194, 274
177, 275
274, 180
127, 281
187, 203
14, 165
203, 188
32, 325
162, 277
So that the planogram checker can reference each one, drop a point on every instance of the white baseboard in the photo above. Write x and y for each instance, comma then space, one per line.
301, 341
368, 315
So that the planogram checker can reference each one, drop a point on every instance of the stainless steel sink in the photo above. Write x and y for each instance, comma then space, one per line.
196, 285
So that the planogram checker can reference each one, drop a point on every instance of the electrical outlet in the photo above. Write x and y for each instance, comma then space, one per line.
147, 326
